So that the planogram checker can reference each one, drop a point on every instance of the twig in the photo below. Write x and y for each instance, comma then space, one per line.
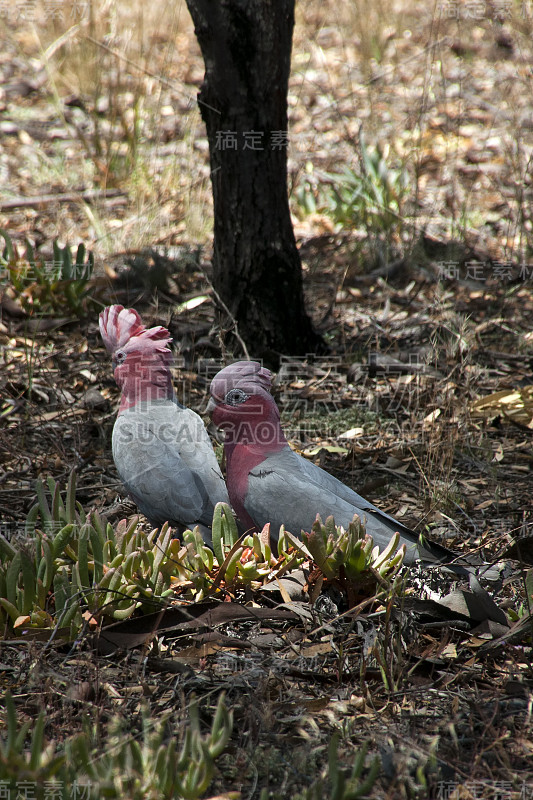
62, 197
232, 318
163, 81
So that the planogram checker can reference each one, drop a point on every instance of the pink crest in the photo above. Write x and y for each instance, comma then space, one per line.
247, 375
122, 327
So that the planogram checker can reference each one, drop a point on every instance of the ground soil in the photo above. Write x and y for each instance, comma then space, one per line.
417, 337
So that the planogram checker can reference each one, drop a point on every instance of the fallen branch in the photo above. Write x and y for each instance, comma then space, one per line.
61, 197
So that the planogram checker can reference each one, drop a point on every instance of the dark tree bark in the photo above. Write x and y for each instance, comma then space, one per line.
246, 46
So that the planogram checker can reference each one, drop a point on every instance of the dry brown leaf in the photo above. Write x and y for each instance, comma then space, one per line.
90, 619
312, 650
450, 651
515, 404
484, 504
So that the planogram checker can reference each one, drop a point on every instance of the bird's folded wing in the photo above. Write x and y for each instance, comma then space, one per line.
303, 490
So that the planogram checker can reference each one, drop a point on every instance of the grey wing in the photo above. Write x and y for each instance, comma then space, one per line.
379, 524
287, 489
167, 467
322, 478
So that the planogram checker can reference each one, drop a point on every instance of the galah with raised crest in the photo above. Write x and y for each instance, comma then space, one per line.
268, 482
161, 448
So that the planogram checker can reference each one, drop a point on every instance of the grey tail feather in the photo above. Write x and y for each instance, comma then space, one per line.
464, 565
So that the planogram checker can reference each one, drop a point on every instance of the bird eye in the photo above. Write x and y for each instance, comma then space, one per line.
235, 396
120, 356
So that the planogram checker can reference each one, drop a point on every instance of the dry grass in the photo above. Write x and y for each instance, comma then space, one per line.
447, 97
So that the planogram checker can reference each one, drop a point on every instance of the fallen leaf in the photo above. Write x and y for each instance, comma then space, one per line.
90, 619
430, 418
352, 433
515, 404
194, 302
450, 651
330, 448
484, 504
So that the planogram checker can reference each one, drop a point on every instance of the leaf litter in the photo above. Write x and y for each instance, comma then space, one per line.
434, 378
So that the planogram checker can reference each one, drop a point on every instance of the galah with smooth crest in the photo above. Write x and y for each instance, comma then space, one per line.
161, 448
269, 482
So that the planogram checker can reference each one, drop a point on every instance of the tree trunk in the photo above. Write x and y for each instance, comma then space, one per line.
246, 46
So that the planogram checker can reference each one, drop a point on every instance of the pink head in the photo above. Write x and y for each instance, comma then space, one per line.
141, 356
242, 406
247, 376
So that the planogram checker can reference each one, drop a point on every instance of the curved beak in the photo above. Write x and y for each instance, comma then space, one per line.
211, 406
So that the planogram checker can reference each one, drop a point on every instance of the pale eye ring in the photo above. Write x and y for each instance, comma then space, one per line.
119, 356
235, 396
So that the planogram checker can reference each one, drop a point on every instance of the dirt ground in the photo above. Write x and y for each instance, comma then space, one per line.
106, 106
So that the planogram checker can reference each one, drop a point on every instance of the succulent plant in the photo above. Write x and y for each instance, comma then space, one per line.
48, 287
351, 551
